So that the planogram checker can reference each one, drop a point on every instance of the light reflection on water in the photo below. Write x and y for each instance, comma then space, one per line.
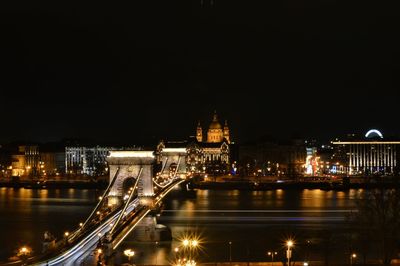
27, 213
253, 220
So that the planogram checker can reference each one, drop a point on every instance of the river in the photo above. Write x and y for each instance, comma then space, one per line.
254, 222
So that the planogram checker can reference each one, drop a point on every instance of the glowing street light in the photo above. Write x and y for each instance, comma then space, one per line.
289, 245
272, 254
100, 256
352, 257
66, 234
129, 253
189, 246
24, 252
176, 250
190, 243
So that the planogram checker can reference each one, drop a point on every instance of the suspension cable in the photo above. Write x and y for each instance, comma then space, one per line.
127, 202
102, 198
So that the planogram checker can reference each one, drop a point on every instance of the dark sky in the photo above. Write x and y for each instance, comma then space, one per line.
130, 72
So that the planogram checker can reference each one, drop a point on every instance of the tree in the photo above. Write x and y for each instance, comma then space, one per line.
378, 218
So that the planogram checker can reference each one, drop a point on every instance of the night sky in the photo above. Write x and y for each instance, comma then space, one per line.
133, 73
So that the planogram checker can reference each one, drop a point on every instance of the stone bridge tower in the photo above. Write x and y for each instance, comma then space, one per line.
128, 165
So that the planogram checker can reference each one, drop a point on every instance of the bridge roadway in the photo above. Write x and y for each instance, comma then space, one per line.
77, 253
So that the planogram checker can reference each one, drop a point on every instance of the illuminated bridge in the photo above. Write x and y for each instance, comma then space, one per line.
132, 193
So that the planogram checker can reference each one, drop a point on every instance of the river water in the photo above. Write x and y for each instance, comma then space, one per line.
254, 222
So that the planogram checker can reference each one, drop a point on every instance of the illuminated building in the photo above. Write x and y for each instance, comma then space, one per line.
86, 160
26, 161
312, 161
371, 155
215, 133
32, 160
210, 155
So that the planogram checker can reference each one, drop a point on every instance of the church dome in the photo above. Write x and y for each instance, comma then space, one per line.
215, 124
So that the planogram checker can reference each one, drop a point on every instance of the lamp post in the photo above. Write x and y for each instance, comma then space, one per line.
353, 256
189, 246
100, 256
230, 252
176, 250
24, 252
129, 253
156, 252
66, 235
289, 245
272, 254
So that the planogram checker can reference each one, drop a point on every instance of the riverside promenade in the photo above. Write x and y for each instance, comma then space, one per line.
275, 263
294, 263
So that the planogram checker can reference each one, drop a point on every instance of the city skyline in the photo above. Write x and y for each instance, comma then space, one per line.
140, 73
199, 132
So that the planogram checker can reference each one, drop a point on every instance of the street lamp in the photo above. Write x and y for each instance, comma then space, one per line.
185, 242
129, 253
176, 250
230, 251
189, 246
272, 254
100, 255
66, 234
352, 257
289, 245
24, 251
156, 252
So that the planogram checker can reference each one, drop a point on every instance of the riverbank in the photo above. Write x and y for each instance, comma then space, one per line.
279, 263
52, 184
210, 185
245, 185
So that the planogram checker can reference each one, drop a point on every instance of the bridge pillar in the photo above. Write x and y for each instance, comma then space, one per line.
171, 157
129, 164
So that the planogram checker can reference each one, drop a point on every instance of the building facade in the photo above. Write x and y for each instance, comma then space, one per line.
370, 155
35, 161
210, 155
26, 161
86, 160
206, 154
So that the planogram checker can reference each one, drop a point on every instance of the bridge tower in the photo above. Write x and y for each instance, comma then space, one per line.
173, 161
127, 166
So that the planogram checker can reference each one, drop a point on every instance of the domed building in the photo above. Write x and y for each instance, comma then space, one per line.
212, 154
215, 133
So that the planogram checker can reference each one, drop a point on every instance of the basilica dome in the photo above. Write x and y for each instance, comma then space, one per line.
215, 125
